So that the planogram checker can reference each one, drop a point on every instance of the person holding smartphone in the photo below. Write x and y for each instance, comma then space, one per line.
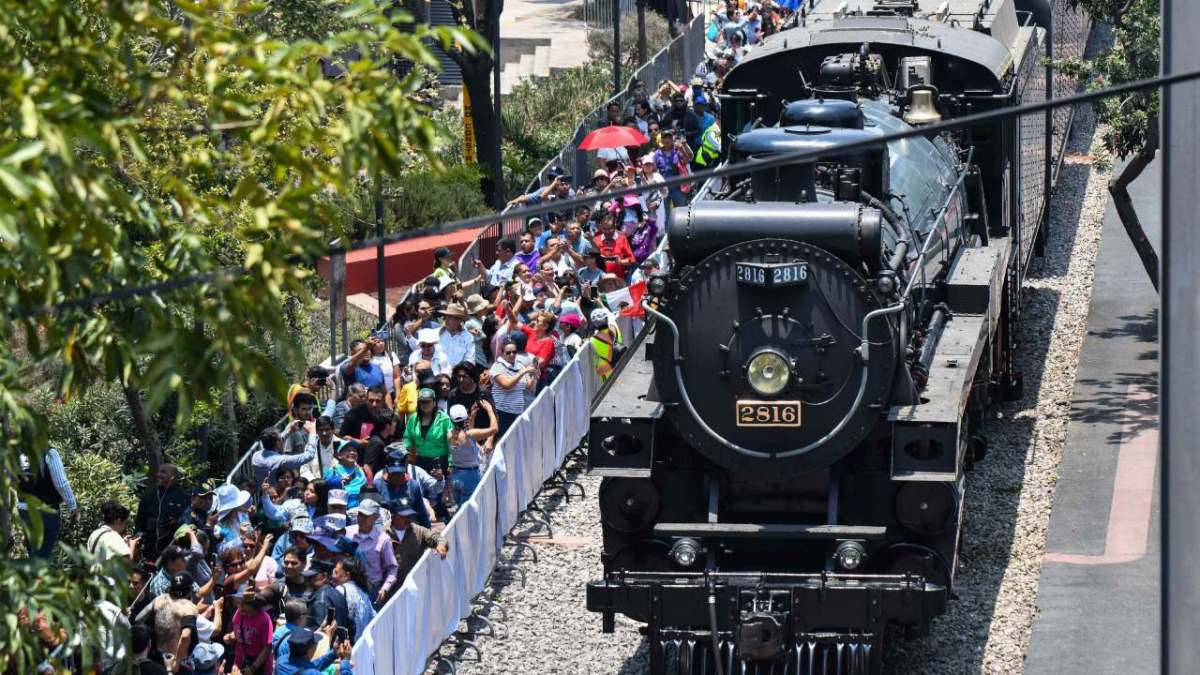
613, 247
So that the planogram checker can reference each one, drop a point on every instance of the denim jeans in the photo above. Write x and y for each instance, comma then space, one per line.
465, 482
51, 524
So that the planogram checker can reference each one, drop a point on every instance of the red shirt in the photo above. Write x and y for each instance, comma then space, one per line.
539, 348
617, 246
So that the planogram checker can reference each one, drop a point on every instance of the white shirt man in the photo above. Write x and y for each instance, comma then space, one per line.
454, 341
429, 349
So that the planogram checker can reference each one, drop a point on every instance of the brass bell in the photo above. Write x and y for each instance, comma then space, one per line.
922, 108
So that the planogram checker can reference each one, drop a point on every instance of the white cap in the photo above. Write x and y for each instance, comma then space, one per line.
458, 413
600, 315
427, 336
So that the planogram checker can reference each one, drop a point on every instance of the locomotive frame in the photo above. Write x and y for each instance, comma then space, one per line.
732, 545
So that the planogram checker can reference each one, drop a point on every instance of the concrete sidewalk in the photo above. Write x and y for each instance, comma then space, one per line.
1098, 602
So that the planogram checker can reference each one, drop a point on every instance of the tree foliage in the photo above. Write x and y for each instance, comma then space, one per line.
1134, 55
171, 142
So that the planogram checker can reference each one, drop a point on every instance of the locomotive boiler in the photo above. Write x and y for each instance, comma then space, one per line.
784, 450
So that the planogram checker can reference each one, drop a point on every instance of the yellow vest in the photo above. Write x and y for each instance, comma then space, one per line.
602, 354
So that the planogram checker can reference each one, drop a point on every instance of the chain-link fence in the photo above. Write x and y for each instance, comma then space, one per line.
1071, 29
1032, 135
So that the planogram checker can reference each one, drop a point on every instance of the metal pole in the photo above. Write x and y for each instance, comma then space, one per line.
641, 40
497, 151
1180, 361
616, 18
1044, 232
380, 271
337, 297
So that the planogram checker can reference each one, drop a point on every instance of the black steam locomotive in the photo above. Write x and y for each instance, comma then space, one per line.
784, 450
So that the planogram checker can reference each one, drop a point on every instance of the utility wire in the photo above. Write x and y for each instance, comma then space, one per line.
741, 168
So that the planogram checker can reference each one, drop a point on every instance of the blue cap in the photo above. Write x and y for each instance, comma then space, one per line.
301, 637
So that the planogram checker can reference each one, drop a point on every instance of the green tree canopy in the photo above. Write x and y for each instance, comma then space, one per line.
174, 142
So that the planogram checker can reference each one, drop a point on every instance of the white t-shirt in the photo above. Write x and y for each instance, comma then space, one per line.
105, 543
384, 361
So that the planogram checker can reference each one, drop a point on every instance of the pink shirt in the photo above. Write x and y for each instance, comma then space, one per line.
253, 633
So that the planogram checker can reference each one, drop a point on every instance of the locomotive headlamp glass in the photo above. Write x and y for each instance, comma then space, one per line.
850, 555
684, 552
768, 373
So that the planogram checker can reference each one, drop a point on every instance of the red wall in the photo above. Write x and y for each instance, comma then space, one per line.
405, 262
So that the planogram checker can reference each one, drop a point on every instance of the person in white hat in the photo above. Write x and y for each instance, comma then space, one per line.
465, 455
429, 355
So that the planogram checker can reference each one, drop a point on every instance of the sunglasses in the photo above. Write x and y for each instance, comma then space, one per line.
508, 352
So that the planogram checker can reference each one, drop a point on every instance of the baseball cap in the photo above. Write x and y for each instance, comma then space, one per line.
301, 637
303, 525
426, 394
458, 413
599, 315
337, 497
206, 656
427, 336
398, 463
182, 581
368, 508
316, 567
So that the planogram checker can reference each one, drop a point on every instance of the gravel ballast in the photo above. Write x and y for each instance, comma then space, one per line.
1008, 499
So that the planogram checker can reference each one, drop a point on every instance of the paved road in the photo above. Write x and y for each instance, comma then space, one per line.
1098, 599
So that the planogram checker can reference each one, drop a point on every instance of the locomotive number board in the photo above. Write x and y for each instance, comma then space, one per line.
768, 413
771, 275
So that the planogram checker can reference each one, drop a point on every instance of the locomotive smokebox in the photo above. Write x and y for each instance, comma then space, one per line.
849, 231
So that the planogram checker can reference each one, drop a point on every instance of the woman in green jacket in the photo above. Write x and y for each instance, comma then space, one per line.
427, 437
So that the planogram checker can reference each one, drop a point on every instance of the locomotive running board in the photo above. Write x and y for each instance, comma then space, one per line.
769, 531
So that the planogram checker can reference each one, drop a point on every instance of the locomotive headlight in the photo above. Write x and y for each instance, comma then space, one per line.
850, 555
684, 552
656, 285
768, 372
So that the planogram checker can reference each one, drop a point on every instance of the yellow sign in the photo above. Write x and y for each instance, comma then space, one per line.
468, 129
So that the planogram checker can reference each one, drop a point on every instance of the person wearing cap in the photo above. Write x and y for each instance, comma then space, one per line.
252, 635
443, 263
710, 141
605, 340
346, 475
429, 356
159, 511
571, 325
653, 201
207, 657
410, 540
454, 341
171, 561
375, 550
296, 537
324, 599
559, 187
465, 439
166, 614
302, 660
427, 437
337, 500
199, 512
406, 482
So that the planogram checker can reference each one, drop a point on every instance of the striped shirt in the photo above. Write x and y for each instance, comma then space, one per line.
58, 476
511, 400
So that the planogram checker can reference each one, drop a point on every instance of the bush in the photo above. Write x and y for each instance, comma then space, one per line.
96, 479
658, 35
431, 197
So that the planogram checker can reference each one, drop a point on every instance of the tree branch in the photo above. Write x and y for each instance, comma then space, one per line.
1118, 187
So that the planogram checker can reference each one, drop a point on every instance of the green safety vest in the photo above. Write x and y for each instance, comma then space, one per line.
710, 146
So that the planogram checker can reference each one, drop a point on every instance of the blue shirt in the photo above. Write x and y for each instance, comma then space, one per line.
367, 374
301, 666
358, 480
411, 491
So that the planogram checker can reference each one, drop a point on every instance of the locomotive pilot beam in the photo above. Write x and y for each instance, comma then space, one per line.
785, 451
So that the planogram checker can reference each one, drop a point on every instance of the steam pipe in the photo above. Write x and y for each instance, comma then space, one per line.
936, 323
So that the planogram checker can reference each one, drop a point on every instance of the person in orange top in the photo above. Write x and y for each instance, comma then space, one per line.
613, 246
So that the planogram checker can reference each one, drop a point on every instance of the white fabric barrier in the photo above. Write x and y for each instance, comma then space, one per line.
437, 593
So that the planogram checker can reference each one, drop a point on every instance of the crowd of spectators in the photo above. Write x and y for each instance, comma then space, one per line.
280, 574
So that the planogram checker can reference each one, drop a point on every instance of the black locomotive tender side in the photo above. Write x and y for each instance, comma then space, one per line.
784, 452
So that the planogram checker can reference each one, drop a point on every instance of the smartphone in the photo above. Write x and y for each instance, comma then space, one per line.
341, 635
329, 615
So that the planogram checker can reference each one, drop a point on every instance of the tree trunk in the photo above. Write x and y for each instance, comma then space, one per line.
641, 40
1118, 187
477, 79
141, 425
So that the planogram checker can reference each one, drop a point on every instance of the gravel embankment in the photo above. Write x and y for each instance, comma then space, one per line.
1009, 497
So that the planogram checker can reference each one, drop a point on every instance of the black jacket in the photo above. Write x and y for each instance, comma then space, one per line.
322, 600
158, 516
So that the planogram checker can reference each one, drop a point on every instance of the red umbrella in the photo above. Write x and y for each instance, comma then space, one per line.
613, 137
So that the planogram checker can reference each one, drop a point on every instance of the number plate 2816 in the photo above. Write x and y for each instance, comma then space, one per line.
768, 413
